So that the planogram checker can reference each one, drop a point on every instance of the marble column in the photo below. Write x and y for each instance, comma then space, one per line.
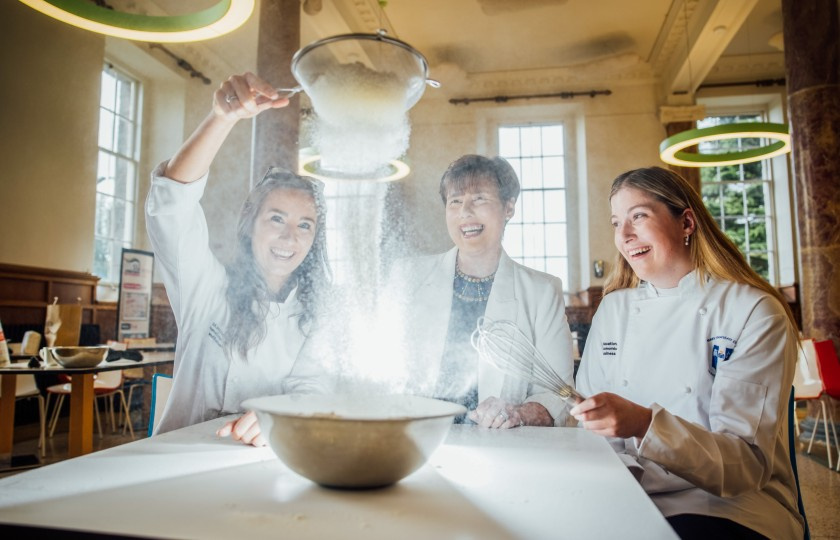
812, 66
276, 132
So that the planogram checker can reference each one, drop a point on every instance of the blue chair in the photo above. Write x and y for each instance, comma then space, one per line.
792, 445
161, 384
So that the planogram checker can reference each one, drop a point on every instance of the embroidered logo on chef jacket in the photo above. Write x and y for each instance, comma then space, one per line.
609, 348
720, 352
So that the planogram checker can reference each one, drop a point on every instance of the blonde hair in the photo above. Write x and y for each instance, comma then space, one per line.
712, 252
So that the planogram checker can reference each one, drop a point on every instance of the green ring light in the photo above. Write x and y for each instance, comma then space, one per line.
671, 150
221, 18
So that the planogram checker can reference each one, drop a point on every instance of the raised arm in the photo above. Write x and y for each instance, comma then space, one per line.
241, 96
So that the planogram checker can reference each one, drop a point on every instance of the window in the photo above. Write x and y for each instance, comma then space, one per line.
116, 177
740, 197
536, 236
353, 207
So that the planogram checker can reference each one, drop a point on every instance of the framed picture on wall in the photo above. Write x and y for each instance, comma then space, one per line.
134, 307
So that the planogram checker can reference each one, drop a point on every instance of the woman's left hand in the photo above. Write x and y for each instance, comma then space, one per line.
611, 415
496, 413
245, 429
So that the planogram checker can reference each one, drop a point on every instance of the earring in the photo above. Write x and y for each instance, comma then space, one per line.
686, 239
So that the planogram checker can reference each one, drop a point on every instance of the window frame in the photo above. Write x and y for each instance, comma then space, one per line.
768, 180
132, 156
570, 116
520, 218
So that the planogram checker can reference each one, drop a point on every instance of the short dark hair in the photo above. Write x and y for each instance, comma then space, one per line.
469, 170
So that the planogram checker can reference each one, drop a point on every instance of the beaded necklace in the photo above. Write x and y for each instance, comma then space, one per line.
471, 289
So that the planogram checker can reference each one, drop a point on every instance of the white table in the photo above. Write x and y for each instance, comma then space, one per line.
480, 484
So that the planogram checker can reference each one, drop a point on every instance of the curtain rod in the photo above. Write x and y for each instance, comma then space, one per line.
760, 83
505, 99
183, 64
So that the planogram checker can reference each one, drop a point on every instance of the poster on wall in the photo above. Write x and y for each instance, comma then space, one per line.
134, 308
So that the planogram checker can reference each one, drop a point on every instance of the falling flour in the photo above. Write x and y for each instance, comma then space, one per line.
361, 122
350, 93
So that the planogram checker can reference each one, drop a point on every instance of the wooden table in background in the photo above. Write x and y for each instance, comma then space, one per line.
80, 434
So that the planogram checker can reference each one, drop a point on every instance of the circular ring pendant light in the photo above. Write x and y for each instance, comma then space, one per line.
309, 165
222, 17
671, 150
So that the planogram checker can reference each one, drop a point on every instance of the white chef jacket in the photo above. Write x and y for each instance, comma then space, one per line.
207, 383
715, 362
531, 299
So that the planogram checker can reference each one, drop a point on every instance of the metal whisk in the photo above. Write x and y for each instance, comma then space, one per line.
503, 345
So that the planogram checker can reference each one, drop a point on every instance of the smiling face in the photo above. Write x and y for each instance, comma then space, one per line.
476, 217
651, 238
284, 231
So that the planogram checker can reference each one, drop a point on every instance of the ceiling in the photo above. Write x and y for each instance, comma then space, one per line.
683, 43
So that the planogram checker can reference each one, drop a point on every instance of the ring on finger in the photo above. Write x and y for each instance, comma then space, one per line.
230, 98
504, 416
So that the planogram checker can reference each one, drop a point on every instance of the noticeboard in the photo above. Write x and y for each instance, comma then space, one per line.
134, 308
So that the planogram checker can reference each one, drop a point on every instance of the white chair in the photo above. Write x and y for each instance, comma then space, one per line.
31, 343
161, 385
808, 385
107, 384
26, 388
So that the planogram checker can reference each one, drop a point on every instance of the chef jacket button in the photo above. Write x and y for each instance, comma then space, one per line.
702, 311
637, 310
687, 389
625, 382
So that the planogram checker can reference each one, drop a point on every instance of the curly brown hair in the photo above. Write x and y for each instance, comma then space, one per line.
247, 293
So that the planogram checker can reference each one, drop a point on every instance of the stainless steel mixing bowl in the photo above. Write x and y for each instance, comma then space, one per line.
78, 357
354, 441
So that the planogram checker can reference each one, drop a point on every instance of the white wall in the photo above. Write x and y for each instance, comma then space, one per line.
49, 113
48, 126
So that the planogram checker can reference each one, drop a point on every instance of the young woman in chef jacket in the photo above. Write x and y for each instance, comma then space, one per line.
688, 367
240, 326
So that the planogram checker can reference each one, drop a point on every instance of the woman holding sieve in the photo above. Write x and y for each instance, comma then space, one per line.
443, 295
689, 365
240, 325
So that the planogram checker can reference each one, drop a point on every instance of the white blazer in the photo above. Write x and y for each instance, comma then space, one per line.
531, 299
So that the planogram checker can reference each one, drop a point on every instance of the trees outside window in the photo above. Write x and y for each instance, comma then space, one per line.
740, 197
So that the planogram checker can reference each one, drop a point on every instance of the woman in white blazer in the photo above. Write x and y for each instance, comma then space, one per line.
689, 365
444, 295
